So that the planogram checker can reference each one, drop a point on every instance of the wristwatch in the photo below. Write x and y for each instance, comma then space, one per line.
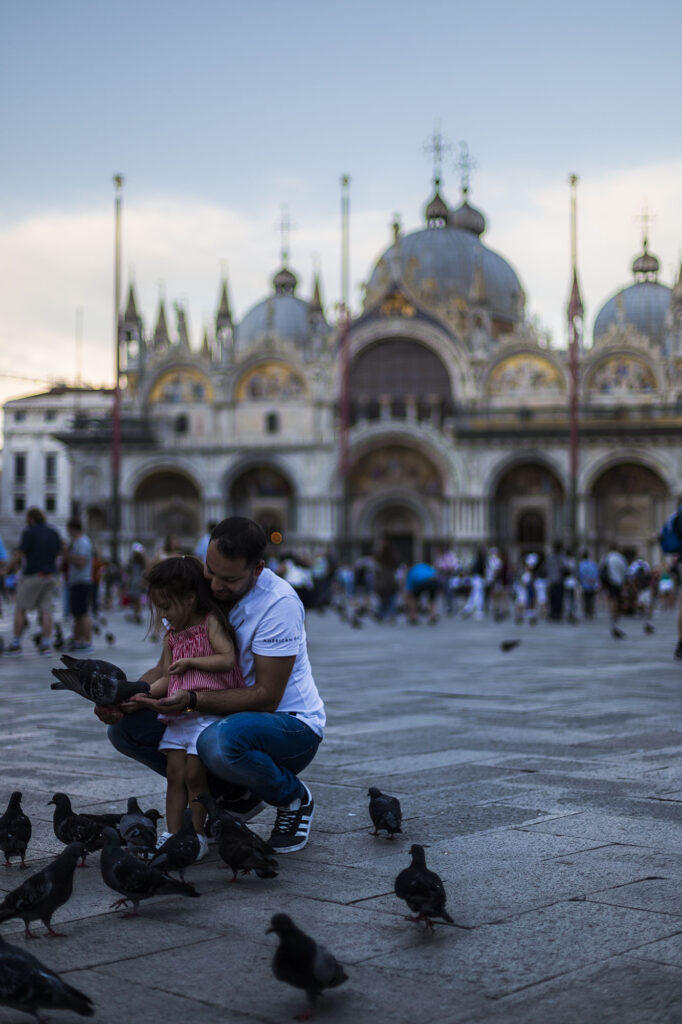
192, 701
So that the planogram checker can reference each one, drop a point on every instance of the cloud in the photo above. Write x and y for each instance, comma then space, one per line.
58, 261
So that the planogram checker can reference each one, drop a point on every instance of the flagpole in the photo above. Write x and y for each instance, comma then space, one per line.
116, 413
575, 312
344, 353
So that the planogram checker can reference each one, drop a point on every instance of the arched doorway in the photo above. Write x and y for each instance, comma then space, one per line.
629, 503
167, 502
264, 494
400, 526
528, 507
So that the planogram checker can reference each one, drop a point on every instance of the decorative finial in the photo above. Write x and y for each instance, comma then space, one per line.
285, 227
118, 182
437, 147
465, 164
645, 219
395, 225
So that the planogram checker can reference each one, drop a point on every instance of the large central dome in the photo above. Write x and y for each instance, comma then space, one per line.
446, 265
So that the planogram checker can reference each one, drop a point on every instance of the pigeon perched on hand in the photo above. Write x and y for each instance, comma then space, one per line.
303, 963
39, 896
137, 828
99, 681
134, 879
384, 811
15, 830
422, 890
28, 985
179, 850
70, 827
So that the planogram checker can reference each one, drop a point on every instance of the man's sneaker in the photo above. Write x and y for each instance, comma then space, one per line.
14, 648
81, 647
237, 800
292, 825
678, 651
162, 839
203, 847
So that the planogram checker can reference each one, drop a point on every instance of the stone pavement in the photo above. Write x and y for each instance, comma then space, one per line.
546, 784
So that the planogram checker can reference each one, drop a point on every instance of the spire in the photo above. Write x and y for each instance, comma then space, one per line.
466, 217
131, 314
316, 301
646, 266
437, 209
161, 337
205, 345
181, 317
223, 317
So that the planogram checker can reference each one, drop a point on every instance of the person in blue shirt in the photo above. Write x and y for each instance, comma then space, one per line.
422, 579
38, 551
588, 578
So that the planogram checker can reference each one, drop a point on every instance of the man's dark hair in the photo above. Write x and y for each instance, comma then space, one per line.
35, 516
74, 524
238, 537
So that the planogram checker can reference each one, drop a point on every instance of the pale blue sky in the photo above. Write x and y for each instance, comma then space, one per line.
216, 110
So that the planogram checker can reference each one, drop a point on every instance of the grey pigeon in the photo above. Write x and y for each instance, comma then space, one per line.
70, 827
422, 890
99, 681
242, 849
134, 879
28, 985
179, 850
39, 896
303, 963
384, 811
137, 829
15, 830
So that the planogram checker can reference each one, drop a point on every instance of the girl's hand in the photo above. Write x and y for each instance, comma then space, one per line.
181, 665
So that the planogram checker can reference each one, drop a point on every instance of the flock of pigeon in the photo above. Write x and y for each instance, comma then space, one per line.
134, 867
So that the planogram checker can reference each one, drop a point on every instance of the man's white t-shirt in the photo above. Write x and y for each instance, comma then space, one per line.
270, 620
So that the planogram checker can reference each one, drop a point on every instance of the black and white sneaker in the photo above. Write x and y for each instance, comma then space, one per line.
292, 825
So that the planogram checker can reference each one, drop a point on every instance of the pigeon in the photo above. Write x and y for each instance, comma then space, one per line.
96, 680
303, 963
179, 850
70, 827
96, 629
422, 890
242, 850
39, 896
649, 627
384, 811
134, 879
509, 645
137, 828
110, 639
27, 984
15, 830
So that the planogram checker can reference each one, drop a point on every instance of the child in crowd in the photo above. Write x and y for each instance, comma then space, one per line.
199, 653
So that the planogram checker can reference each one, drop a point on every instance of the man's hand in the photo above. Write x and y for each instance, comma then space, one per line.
109, 714
174, 705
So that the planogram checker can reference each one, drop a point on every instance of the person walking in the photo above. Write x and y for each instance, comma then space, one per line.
269, 730
39, 548
612, 573
78, 560
385, 582
556, 572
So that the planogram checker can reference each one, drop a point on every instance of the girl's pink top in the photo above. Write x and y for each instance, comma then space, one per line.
193, 642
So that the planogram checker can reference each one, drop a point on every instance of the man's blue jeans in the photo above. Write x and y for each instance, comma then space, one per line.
262, 751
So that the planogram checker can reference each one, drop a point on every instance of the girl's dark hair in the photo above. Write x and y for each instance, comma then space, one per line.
239, 537
183, 576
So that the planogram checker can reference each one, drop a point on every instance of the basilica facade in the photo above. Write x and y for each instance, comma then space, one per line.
455, 432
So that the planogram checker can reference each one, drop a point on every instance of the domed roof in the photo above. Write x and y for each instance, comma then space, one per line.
442, 264
282, 315
468, 218
643, 305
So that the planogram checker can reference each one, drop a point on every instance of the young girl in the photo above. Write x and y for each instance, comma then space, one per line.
199, 653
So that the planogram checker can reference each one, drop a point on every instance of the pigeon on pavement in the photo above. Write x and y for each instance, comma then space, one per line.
15, 830
509, 645
384, 811
137, 828
70, 827
99, 681
134, 879
303, 963
422, 890
27, 984
179, 850
110, 638
242, 849
39, 896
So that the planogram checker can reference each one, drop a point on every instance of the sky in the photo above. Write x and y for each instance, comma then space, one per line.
218, 114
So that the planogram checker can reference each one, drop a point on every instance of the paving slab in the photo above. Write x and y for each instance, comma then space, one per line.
545, 784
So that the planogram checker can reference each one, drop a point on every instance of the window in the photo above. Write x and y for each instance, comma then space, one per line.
50, 502
20, 416
271, 423
50, 468
50, 415
19, 503
181, 424
20, 467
